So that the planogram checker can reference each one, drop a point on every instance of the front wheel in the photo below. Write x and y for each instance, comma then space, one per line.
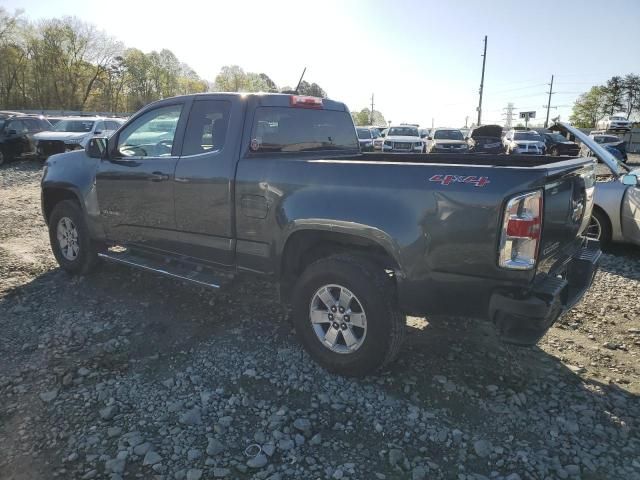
70, 240
346, 316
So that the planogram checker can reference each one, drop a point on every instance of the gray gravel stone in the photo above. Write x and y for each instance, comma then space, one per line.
214, 447
194, 474
108, 412
258, 461
482, 448
49, 396
151, 458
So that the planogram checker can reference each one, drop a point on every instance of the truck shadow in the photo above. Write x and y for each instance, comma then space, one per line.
456, 369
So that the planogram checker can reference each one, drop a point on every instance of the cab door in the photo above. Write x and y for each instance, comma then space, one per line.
135, 185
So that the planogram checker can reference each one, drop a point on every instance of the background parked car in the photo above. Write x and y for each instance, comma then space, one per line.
559, 145
73, 133
609, 142
446, 140
402, 139
614, 122
524, 142
486, 139
365, 138
16, 134
379, 140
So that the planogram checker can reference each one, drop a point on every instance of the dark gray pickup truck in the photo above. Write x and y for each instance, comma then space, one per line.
205, 186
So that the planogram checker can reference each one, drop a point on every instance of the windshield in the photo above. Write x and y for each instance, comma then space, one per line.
527, 136
403, 132
556, 137
77, 126
448, 135
364, 133
618, 118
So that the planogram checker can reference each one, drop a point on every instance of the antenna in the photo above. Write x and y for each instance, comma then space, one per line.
300, 81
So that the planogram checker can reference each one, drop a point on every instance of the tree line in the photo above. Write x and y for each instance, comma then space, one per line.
67, 64
619, 95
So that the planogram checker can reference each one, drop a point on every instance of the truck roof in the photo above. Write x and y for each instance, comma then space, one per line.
263, 99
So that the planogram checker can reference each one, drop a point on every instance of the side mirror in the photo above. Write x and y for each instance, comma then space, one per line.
97, 147
467, 138
429, 138
12, 132
631, 180
97, 132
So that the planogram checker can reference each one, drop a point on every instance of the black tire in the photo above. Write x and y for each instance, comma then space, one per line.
375, 291
3, 158
605, 226
87, 257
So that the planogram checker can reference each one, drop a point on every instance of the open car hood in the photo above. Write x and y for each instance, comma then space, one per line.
598, 150
487, 131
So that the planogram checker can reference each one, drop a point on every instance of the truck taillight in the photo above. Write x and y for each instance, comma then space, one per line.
521, 229
305, 101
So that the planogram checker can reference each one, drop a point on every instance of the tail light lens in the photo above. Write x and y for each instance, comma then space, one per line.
521, 229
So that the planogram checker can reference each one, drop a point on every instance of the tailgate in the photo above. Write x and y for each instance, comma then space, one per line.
568, 201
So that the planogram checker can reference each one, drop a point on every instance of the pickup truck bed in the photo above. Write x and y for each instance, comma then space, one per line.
276, 185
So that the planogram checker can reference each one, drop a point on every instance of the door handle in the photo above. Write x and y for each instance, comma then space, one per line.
158, 177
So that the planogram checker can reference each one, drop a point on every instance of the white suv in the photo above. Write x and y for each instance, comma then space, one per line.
524, 141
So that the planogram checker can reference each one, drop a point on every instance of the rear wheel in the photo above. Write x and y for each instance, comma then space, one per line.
2, 158
599, 227
346, 316
70, 240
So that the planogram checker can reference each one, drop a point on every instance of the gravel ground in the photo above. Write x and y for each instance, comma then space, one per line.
121, 374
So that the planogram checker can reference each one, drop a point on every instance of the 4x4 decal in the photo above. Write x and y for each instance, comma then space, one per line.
449, 179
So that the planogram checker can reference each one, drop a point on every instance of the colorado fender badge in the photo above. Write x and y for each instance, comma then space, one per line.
255, 145
470, 179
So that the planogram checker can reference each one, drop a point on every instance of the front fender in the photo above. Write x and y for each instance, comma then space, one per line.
74, 172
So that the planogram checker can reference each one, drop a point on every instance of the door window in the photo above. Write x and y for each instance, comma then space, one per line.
18, 126
152, 134
207, 127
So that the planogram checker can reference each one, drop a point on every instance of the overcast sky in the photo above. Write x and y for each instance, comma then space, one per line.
422, 59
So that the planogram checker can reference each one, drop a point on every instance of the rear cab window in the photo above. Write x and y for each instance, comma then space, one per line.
289, 129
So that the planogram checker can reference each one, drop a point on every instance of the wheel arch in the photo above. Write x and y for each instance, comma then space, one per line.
306, 245
52, 195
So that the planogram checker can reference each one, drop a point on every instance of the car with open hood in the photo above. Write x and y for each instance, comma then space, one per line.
528, 142
402, 139
616, 198
446, 140
486, 139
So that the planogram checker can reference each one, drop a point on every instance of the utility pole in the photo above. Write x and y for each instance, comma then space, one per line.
433, 121
484, 61
466, 121
371, 122
546, 122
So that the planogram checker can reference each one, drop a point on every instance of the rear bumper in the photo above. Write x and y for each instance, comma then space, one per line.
524, 317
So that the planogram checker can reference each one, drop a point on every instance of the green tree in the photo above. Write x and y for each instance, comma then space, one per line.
614, 95
311, 89
631, 88
363, 117
589, 107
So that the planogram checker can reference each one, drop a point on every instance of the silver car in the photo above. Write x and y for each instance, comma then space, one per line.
616, 210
